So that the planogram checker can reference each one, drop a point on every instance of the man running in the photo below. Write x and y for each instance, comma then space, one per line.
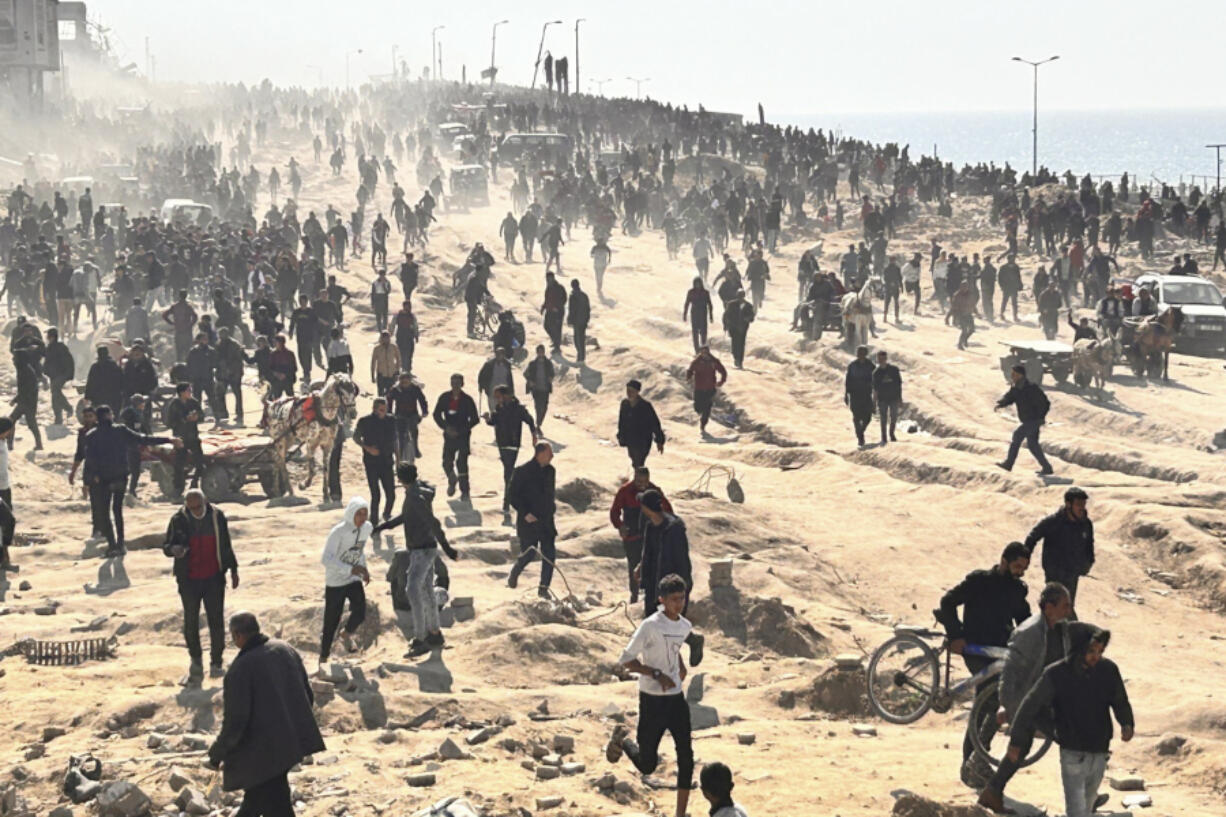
1068, 542
456, 414
508, 418
706, 374
628, 520
1032, 407
531, 494
638, 425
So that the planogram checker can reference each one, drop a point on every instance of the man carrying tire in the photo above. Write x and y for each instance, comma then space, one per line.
992, 601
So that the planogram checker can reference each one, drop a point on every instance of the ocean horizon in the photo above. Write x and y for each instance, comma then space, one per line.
1163, 144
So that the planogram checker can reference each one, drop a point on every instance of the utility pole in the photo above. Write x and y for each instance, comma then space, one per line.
434, 53
638, 85
578, 87
1218, 150
394, 49
540, 49
1034, 160
493, 43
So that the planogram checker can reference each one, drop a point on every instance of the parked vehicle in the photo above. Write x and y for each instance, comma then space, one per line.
1204, 312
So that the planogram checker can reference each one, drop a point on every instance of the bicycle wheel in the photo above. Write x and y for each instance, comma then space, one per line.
903, 675
986, 705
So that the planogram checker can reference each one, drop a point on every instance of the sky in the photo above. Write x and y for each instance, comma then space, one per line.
793, 57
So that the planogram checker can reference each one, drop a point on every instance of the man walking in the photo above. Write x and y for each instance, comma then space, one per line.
376, 434
423, 536
406, 402
578, 315
59, 367
887, 393
1068, 542
182, 316
1032, 407
456, 414
858, 392
531, 494
538, 381
230, 357
269, 724
495, 372
183, 416
638, 425
508, 418
385, 364
198, 539
553, 308
700, 312
738, 314
706, 374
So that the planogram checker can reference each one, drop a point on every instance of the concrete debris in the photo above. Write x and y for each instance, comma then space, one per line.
1171, 745
421, 780
123, 799
1138, 801
570, 769
1130, 782
449, 750
547, 772
721, 573
553, 801
177, 779
746, 738
863, 730
563, 744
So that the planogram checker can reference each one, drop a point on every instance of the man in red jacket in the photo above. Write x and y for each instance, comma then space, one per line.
627, 518
707, 374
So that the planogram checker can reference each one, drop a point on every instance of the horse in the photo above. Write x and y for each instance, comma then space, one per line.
857, 309
1155, 335
310, 421
1094, 359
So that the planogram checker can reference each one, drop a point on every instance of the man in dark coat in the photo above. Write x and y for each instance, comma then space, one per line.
1068, 542
738, 314
638, 426
858, 392
59, 368
508, 418
531, 494
578, 315
553, 308
1032, 406
269, 725
104, 384
455, 413
666, 552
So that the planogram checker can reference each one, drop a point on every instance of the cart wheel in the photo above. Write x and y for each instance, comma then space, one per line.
216, 483
270, 482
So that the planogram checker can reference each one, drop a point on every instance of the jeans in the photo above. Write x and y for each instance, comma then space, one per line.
1081, 772
334, 605
406, 439
191, 447
378, 304
698, 331
987, 725
269, 799
659, 714
532, 535
379, 472
634, 555
223, 387
211, 591
888, 408
455, 460
106, 499
420, 590
540, 404
59, 403
1029, 432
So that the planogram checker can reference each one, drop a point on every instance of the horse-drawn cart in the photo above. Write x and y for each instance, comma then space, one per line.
230, 462
1038, 356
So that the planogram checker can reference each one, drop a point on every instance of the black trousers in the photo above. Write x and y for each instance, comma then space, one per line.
539, 534
703, 400
509, 456
553, 327
406, 354
378, 304
269, 799
223, 388
698, 331
383, 384
334, 605
659, 714
738, 345
861, 416
133, 468
379, 472
455, 460
580, 342
306, 347
27, 407
634, 555
105, 500
1004, 301
59, 403
212, 592
192, 448
638, 454
540, 402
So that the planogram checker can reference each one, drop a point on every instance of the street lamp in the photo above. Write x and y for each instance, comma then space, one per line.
599, 83
578, 87
540, 48
348, 54
1034, 169
434, 50
638, 85
1218, 150
494, 42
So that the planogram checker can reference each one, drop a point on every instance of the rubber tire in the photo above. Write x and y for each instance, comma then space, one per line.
989, 698
217, 483
1061, 373
270, 482
934, 663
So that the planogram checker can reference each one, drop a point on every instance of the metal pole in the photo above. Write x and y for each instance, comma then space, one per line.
540, 49
1034, 128
578, 87
394, 62
1218, 152
493, 43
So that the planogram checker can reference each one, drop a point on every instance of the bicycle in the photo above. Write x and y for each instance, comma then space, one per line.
904, 682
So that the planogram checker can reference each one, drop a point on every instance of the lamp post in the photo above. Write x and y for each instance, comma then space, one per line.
578, 87
638, 85
1034, 169
493, 43
599, 83
1218, 150
348, 54
540, 49
395, 73
434, 50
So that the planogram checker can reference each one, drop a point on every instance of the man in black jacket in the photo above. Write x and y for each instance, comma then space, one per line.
106, 473
992, 602
183, 416
139, 375
538, 381
858, 392
638, 426
456, 414
269, 724
59, 367
376, 434
508, 419
201, 369
134, 417
229, 357
198, 539
666, 552
887, 393
1083, 691
1068, 542
423, 536
304, 324
1032, 406
738, 314
104, 384
531, 493
28, 350
406, 402
578, 315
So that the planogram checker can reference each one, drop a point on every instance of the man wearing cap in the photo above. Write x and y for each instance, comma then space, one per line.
638, 425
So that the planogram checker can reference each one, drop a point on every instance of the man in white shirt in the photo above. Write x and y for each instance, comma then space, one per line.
654, 652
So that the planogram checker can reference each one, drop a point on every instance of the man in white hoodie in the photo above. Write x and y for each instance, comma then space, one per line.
345, 573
